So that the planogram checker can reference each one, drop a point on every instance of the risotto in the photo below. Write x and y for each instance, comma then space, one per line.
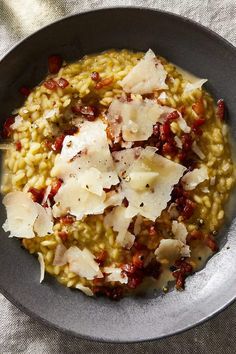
116, 173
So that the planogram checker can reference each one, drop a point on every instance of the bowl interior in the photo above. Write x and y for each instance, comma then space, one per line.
132, 319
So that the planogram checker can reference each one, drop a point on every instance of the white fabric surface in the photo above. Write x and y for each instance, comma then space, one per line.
19, 333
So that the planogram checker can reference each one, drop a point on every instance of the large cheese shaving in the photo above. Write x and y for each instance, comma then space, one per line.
119, 222
72, 198
170, 250
25, 218
83, 151
135, 119
150, 199
148, 75
83, 263
193, 178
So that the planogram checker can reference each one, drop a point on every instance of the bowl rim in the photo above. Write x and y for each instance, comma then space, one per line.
35, 316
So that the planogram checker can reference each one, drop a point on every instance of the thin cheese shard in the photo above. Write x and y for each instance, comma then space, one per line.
170, 250
115, 274
42, 266
198, 151
154, 198
21, 214
179, 230
148, 75
59, 257
43, 224
25, 218
83, 263
194, 86
85, 289
120, 223
193, 178
78, 201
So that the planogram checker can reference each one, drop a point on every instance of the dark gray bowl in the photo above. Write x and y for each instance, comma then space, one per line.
132, 319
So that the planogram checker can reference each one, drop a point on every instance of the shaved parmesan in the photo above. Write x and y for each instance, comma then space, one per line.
178, 142
86, 290
83, 151
21, 214
194, 86
83, 263
193, 178
46, 195
120, 223
78, 201
151, 201
198, 151
170, 250
17, 123
137, 224
148, 75
43, 224
42, 266
60, 258
179, 230
134, 119
115, 274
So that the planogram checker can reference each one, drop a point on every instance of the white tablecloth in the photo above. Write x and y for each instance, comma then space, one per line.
19, 333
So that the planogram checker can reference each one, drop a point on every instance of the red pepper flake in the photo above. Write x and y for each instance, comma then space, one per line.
67, 219
105, 82
63, 235
18, 145
37, 194
56, 185
63, 83
24, 91
90, 112
51, 84
101, 258
6, 132
172, 116
197, 124
220, 111
198, 107
57, 145
188, 209
95, 76
54, 63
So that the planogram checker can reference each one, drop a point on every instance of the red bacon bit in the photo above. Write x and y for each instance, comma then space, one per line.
63, 83
165, 131
187, 142
211, 243
138, 259
63, 235
220, 111
90, 112
37, 194
184, 269
18, 145
6, 132
169, 148
115, 293
95, 76
24, 91
101, 258
54, 64
56, 185
51, 84
198, 107
57, 145
188, 209
196, 126
105, 82
67, 219
172, 116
